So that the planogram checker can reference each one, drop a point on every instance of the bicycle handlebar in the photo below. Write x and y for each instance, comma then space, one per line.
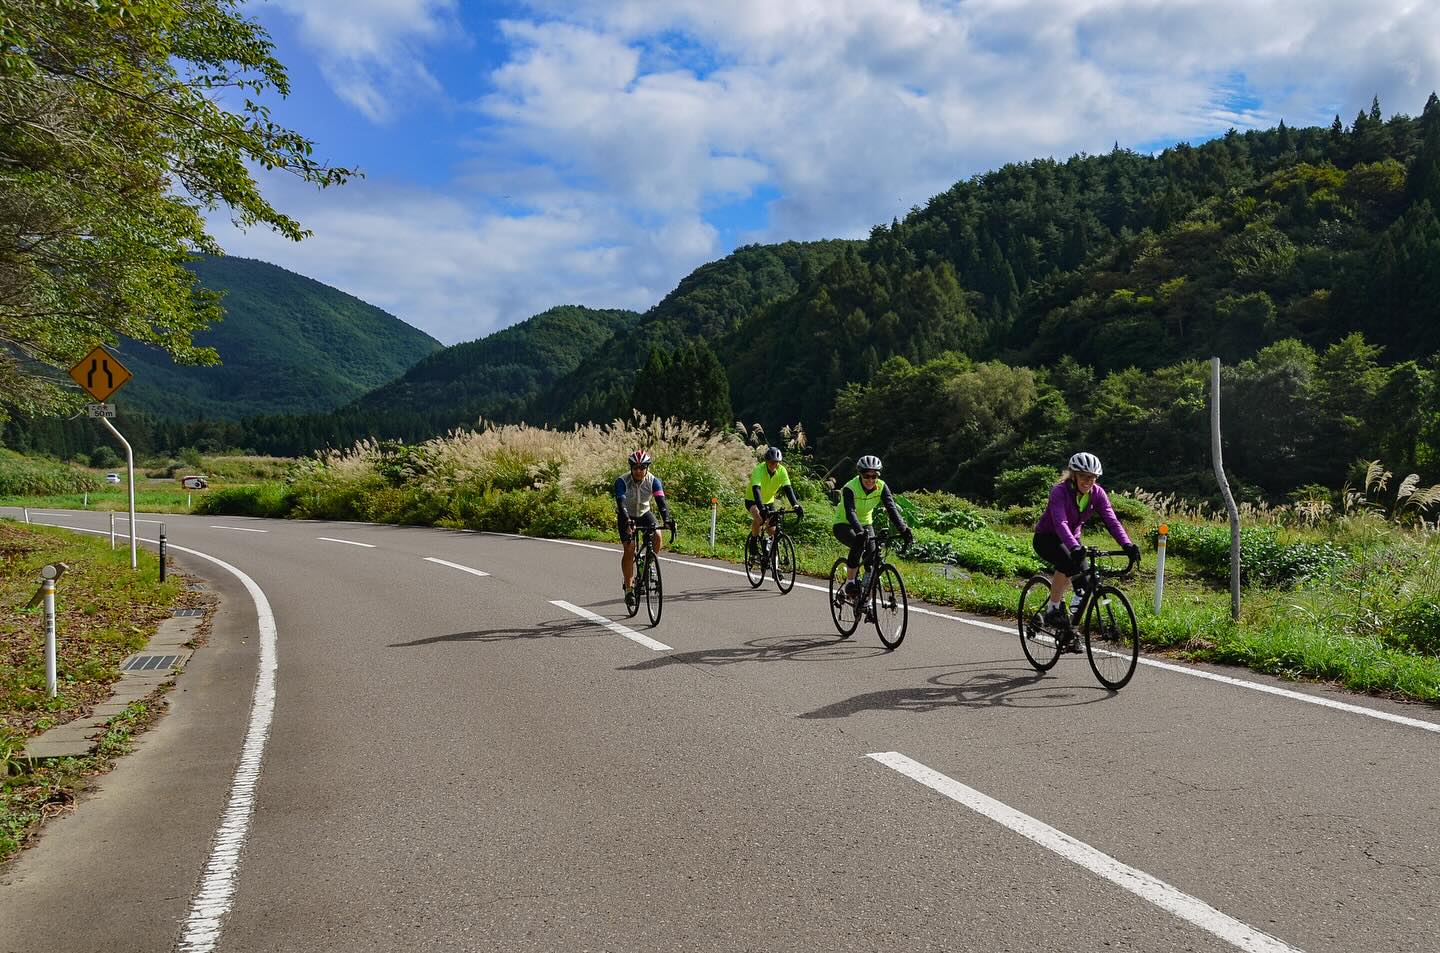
1095, 553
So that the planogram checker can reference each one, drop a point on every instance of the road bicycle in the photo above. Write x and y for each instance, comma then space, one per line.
881, 599
777, 553
648, 585
1103, 617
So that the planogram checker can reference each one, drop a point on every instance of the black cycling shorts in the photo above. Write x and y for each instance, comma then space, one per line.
857, 542
647, 522
1049, 548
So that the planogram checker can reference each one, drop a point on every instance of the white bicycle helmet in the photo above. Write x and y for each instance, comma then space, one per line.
868, 462
1084, 462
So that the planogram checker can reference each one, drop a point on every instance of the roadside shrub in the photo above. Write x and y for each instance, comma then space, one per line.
23, 476
1265, 559
1130, 510
941, 512
984, 551
262, 499
1416, 628
1024, 487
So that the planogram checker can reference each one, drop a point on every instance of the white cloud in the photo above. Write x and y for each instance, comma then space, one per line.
613, 129
373, 50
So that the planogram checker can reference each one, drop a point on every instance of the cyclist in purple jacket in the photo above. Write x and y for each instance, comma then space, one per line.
1073, 501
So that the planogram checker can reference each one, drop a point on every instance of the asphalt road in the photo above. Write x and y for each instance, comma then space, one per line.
455, 762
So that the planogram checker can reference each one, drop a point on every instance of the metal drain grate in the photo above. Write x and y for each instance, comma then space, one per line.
185, 612
149, 663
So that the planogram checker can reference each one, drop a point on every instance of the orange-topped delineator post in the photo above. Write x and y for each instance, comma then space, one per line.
714, 505
1160, 566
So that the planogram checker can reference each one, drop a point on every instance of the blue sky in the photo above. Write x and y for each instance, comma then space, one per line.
521, 155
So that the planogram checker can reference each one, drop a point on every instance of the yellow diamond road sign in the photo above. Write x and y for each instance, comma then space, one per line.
100, 373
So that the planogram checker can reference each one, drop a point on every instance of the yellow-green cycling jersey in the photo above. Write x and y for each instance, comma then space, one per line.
769, 483
865, 503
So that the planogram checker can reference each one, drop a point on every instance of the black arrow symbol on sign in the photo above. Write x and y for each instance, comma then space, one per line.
97, 364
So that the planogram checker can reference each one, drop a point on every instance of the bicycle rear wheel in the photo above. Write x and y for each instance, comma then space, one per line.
1040, 642
890, 607
1112, 639
654, 592
782, 565
754, 562
842, 611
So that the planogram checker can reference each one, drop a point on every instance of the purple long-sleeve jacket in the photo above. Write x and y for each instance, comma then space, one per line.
1064, 519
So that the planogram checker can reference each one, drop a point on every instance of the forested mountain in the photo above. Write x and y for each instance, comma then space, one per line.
288, 344
708, 304
497, 376
1052, 304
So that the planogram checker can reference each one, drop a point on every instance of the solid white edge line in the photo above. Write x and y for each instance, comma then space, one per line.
1143, 885
347, 542
1010, 630
615, 627
446, 562
201, 930
238, 529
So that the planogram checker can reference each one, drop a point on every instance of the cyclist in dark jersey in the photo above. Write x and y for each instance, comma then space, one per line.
855, 515
1073, 502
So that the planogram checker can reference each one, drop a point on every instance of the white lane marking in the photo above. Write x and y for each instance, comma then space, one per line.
239, 529
1196, 911
347, 542
615, 627
217, 885
446, 562
1153, 663
562, 542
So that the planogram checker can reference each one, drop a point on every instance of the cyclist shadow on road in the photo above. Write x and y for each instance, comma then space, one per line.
769, 649
560, 628
968, 689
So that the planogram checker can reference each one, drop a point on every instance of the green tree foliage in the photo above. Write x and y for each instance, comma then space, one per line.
689, 384
121, 122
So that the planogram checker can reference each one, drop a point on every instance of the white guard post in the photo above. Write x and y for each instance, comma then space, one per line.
714, 503
1160, 567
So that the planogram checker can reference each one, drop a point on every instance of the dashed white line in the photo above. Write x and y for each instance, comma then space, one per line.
347, 542
238, 529
446, 562
1156, 891
615, 627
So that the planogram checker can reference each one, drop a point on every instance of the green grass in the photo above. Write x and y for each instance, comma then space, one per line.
105, 611
114, 498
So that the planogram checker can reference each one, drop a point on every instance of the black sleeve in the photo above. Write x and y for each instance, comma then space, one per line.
848, 496
790, 492
755, 494
888, 500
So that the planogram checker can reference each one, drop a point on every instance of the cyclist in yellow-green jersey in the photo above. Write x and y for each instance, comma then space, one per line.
855, 515
766, 480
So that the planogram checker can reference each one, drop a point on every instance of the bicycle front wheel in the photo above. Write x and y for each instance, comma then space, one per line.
842, 610
1112, 639
1039, 641
889, 606
783, 563
754, 562
632, 608
654, 592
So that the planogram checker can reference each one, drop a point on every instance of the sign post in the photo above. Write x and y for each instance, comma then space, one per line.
100, 374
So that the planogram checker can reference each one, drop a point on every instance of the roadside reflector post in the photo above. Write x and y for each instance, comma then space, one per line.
27, 516
48, 575
85, 504
112, 529
188, 504
1160, 566
714, 505
162, 552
